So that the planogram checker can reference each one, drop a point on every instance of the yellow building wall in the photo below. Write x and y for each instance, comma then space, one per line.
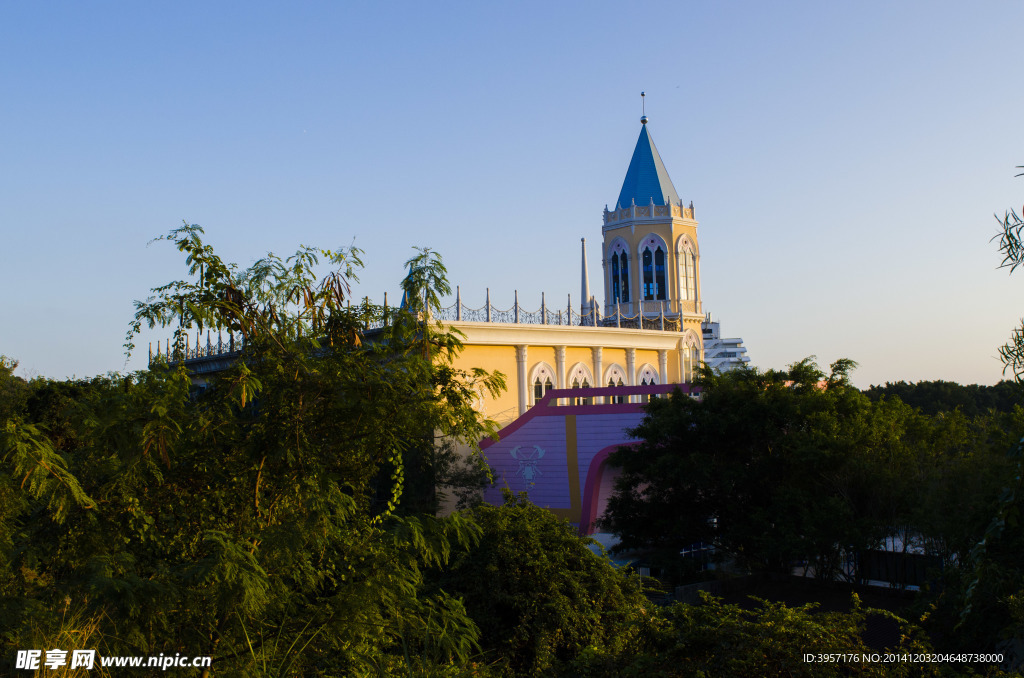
493, 347
493, 358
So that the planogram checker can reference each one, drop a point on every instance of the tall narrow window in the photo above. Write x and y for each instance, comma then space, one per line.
538, 390
692, 360
693, 276
615, 279
624, 272
687, 275
684, 275
648, 262
659, 273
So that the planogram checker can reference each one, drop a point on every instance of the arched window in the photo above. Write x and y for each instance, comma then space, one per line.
579, 377
619, 274
691, 359
654, 273
687, 274
615, 376
542, 376
646, 376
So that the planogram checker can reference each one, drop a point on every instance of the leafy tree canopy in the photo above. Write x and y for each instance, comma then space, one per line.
263, 518
783, 467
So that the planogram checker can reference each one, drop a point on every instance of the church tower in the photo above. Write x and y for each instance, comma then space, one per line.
651, 261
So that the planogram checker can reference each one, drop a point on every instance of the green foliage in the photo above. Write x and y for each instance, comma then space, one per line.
712, 640
13, 390
260, 516
981, 602
783, 467
933, 397
771, 467
539, 594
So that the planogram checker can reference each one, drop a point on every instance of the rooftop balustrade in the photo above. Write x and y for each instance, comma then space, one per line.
653, 318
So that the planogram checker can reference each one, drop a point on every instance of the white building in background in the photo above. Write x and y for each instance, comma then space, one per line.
720, 354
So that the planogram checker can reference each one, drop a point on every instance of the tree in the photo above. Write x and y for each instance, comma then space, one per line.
539, 594
713, 639
983, 602
261, 518
772, 468
933, 397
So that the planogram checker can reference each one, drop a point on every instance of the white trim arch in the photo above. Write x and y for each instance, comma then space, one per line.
646, 375
579, 373
685, 241
579, 376
616, 245
651, 240
615, 373
543, 375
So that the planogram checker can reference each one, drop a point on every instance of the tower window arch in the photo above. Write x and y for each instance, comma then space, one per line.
653, 258
619, 272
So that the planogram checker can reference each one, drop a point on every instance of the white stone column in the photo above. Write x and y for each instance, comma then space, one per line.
684, 375
595, 352
560, 369
696, 285
522, 378
631, 371
663, 365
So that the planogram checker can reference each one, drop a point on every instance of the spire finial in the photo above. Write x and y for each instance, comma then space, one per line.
643, 108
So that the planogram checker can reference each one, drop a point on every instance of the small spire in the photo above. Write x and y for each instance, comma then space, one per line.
643, 108
585, 280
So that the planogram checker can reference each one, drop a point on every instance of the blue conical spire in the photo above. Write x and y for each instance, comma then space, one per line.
647, 177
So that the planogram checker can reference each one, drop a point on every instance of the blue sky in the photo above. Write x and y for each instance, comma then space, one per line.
844, 159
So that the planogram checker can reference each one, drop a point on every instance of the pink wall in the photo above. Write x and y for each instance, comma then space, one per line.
556, 453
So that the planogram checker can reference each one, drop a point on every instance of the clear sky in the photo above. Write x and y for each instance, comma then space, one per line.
844, 159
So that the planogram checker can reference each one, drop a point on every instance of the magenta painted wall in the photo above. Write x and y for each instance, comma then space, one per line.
532, 454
